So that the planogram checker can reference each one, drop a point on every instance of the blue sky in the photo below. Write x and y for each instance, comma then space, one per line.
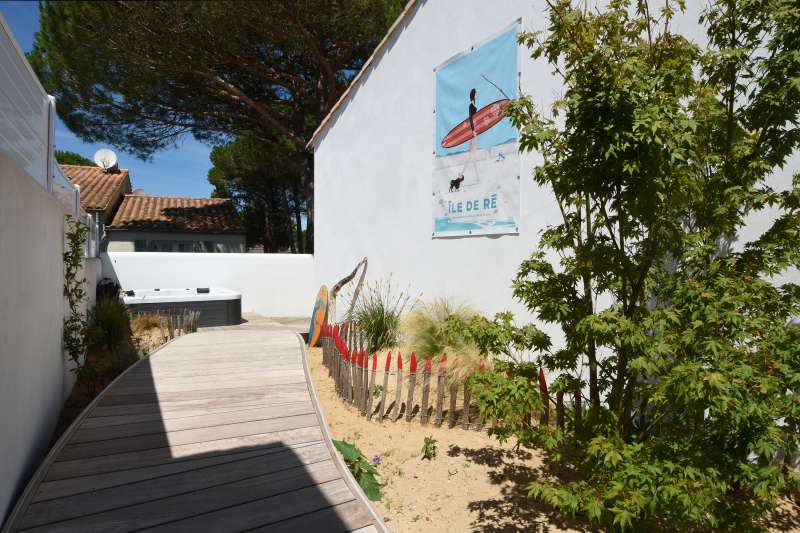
179, 171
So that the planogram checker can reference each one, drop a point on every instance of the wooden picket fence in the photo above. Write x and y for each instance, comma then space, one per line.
356, 374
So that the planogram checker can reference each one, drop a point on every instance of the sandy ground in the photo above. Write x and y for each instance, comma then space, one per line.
473, 484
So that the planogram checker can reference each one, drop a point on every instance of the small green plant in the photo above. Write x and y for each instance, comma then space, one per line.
377, 390
429, 448
109, 323
74, 336
363, 471
378, 313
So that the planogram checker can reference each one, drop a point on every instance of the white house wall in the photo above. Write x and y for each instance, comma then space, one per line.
373, 164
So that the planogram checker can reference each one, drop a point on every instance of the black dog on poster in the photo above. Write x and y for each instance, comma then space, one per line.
456, 183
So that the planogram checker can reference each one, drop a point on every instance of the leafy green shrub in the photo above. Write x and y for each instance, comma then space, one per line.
363, 471
429, 446
377, 390
109, 324
378, 314
508, 394
439, 327
75, 325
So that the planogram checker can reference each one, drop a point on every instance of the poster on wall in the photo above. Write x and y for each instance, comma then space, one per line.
476, 160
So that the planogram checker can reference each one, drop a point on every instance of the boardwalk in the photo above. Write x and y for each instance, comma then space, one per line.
217, 431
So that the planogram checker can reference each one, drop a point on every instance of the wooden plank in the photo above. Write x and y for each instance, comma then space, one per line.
387, 367
371, 386
451, 412
439, 400
412, 383
347, 516
145, 442
465, 410
106, 421
426, 390
154, 427
67, 469
236, 393
267, 511
398, 388
194, 505
50, 490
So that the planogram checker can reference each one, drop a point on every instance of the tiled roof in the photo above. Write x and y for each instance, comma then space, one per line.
99, 189
175, 214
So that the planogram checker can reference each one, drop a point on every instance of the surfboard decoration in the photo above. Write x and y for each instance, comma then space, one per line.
318, 316
483, 119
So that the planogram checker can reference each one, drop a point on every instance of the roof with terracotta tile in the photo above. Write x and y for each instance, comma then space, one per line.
175, 214
99, 189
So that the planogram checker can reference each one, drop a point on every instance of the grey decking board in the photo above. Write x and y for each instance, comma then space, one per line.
60, 488
154, 427
189, 436
145, 458
211, 419
171, 485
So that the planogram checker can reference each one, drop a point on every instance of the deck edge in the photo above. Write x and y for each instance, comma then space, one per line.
337, 459
36, 479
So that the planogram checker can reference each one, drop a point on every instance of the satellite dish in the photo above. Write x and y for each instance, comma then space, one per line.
105, 158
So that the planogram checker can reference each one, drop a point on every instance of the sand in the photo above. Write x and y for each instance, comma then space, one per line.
473, 484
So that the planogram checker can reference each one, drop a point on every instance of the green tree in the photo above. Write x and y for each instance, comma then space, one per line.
140, 75
655, 154
263, 185
65, 157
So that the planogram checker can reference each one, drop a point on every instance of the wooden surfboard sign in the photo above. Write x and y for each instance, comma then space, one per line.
483, 119
318, 316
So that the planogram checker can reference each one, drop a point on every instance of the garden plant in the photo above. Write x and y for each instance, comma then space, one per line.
363, 470
677, 332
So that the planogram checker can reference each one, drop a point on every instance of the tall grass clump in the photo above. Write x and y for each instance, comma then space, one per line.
378, 313
437, 328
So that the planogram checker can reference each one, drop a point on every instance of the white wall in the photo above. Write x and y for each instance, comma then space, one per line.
373, 164
33, 373
271, 284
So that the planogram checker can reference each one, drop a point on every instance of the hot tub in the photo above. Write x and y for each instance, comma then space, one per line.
218, 307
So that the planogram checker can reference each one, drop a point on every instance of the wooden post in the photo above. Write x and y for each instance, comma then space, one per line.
382, 411
371, 385
440, 391
545, 418
399, 387
451, 414
479, 422
426, 390
353, 374
412, 382
467, 399
365, 387
161, 326
560, 410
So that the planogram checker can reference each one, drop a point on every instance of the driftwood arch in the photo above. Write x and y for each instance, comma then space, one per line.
338, 287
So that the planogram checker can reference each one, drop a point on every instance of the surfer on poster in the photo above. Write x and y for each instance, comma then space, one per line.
473, 142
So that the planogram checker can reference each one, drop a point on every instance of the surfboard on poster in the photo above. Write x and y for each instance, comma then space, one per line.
318, 316
476, 159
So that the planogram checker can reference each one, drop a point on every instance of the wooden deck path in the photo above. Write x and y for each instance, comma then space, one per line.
217, 431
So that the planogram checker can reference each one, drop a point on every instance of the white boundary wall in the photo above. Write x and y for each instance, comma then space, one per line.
271, 284
373, 164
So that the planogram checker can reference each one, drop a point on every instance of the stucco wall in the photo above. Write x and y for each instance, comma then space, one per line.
33, 374
373, 164
271, 284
